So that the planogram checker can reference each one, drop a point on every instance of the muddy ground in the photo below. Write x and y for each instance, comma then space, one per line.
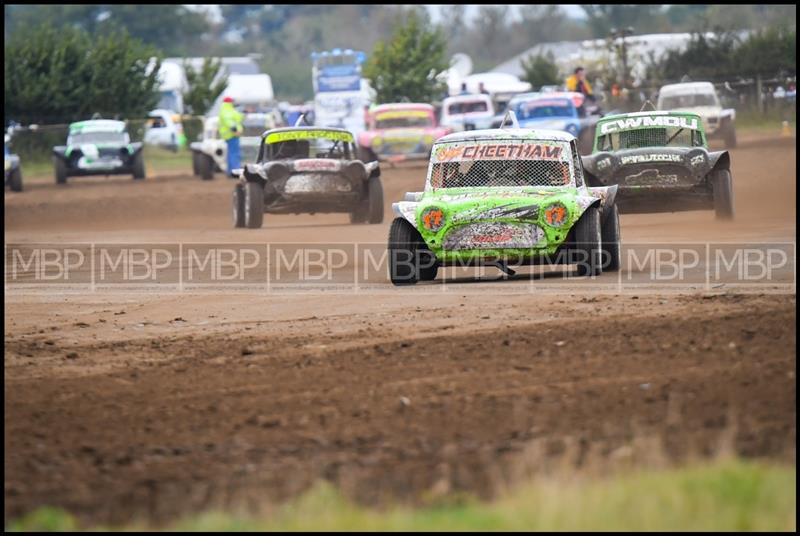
141, 403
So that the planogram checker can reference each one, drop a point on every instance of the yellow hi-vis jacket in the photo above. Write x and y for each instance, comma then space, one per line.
230, 121
572, 85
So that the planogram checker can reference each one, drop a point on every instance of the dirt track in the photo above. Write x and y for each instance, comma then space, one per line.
151, 404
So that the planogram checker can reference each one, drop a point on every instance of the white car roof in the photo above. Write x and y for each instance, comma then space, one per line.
508, 134
687, 88
472, 97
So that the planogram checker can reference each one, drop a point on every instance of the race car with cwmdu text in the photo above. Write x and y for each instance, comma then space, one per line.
661, 163
307, 170
98, 147
504, 197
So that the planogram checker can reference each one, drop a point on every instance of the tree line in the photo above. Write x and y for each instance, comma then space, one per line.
60, 73
286, 34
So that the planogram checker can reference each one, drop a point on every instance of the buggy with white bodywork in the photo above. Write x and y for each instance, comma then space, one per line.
210, 154
500, 197
98, 147
308, 170
701, 98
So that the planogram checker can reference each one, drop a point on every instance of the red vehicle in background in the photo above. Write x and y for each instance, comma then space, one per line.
398, 132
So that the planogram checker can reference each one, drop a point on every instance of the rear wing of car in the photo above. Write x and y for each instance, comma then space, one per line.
511, 118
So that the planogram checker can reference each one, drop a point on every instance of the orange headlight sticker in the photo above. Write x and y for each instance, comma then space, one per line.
556, 215
433, 218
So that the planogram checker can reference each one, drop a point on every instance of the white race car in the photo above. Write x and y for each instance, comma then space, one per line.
701, 98
211, 153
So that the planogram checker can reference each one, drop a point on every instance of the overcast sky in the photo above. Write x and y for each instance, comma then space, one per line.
573, 10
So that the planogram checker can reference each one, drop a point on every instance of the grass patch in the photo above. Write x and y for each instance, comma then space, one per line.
723, 495
156, 160
772, 120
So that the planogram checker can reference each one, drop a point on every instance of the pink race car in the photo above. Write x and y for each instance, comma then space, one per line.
397, 132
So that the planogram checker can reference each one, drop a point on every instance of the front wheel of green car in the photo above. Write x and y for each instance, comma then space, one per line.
722, 188
610, 241
588, 243
410, 260
61, 171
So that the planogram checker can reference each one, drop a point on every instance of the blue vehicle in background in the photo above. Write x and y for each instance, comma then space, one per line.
565, 111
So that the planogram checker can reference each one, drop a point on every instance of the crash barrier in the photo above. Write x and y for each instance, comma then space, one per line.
34, 143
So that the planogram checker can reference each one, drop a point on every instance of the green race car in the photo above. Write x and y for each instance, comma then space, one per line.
661, 163
98, 147
500, 197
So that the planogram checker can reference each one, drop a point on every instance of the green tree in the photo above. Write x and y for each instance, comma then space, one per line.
170, 27
204, 85
602, 18
704, 58
770, 52
405, 68
540, 71
62, 75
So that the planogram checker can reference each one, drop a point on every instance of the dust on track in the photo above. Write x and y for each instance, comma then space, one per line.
121, 405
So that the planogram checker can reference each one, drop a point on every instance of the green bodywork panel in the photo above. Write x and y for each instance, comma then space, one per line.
519, 209
96, 125
649, 120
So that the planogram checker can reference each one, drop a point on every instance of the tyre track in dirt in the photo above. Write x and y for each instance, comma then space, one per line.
156, 404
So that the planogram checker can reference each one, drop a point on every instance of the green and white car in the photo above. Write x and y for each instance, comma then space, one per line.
98, 147
661, 163
500, 197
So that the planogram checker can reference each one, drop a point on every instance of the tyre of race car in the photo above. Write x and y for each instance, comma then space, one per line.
61, 171
253, 205
359, 214
15, 180
138, 167
238, 206
730, 136
205, 165
410, 260
722, 187
375, 200
588, 237
195, 164
610, 241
